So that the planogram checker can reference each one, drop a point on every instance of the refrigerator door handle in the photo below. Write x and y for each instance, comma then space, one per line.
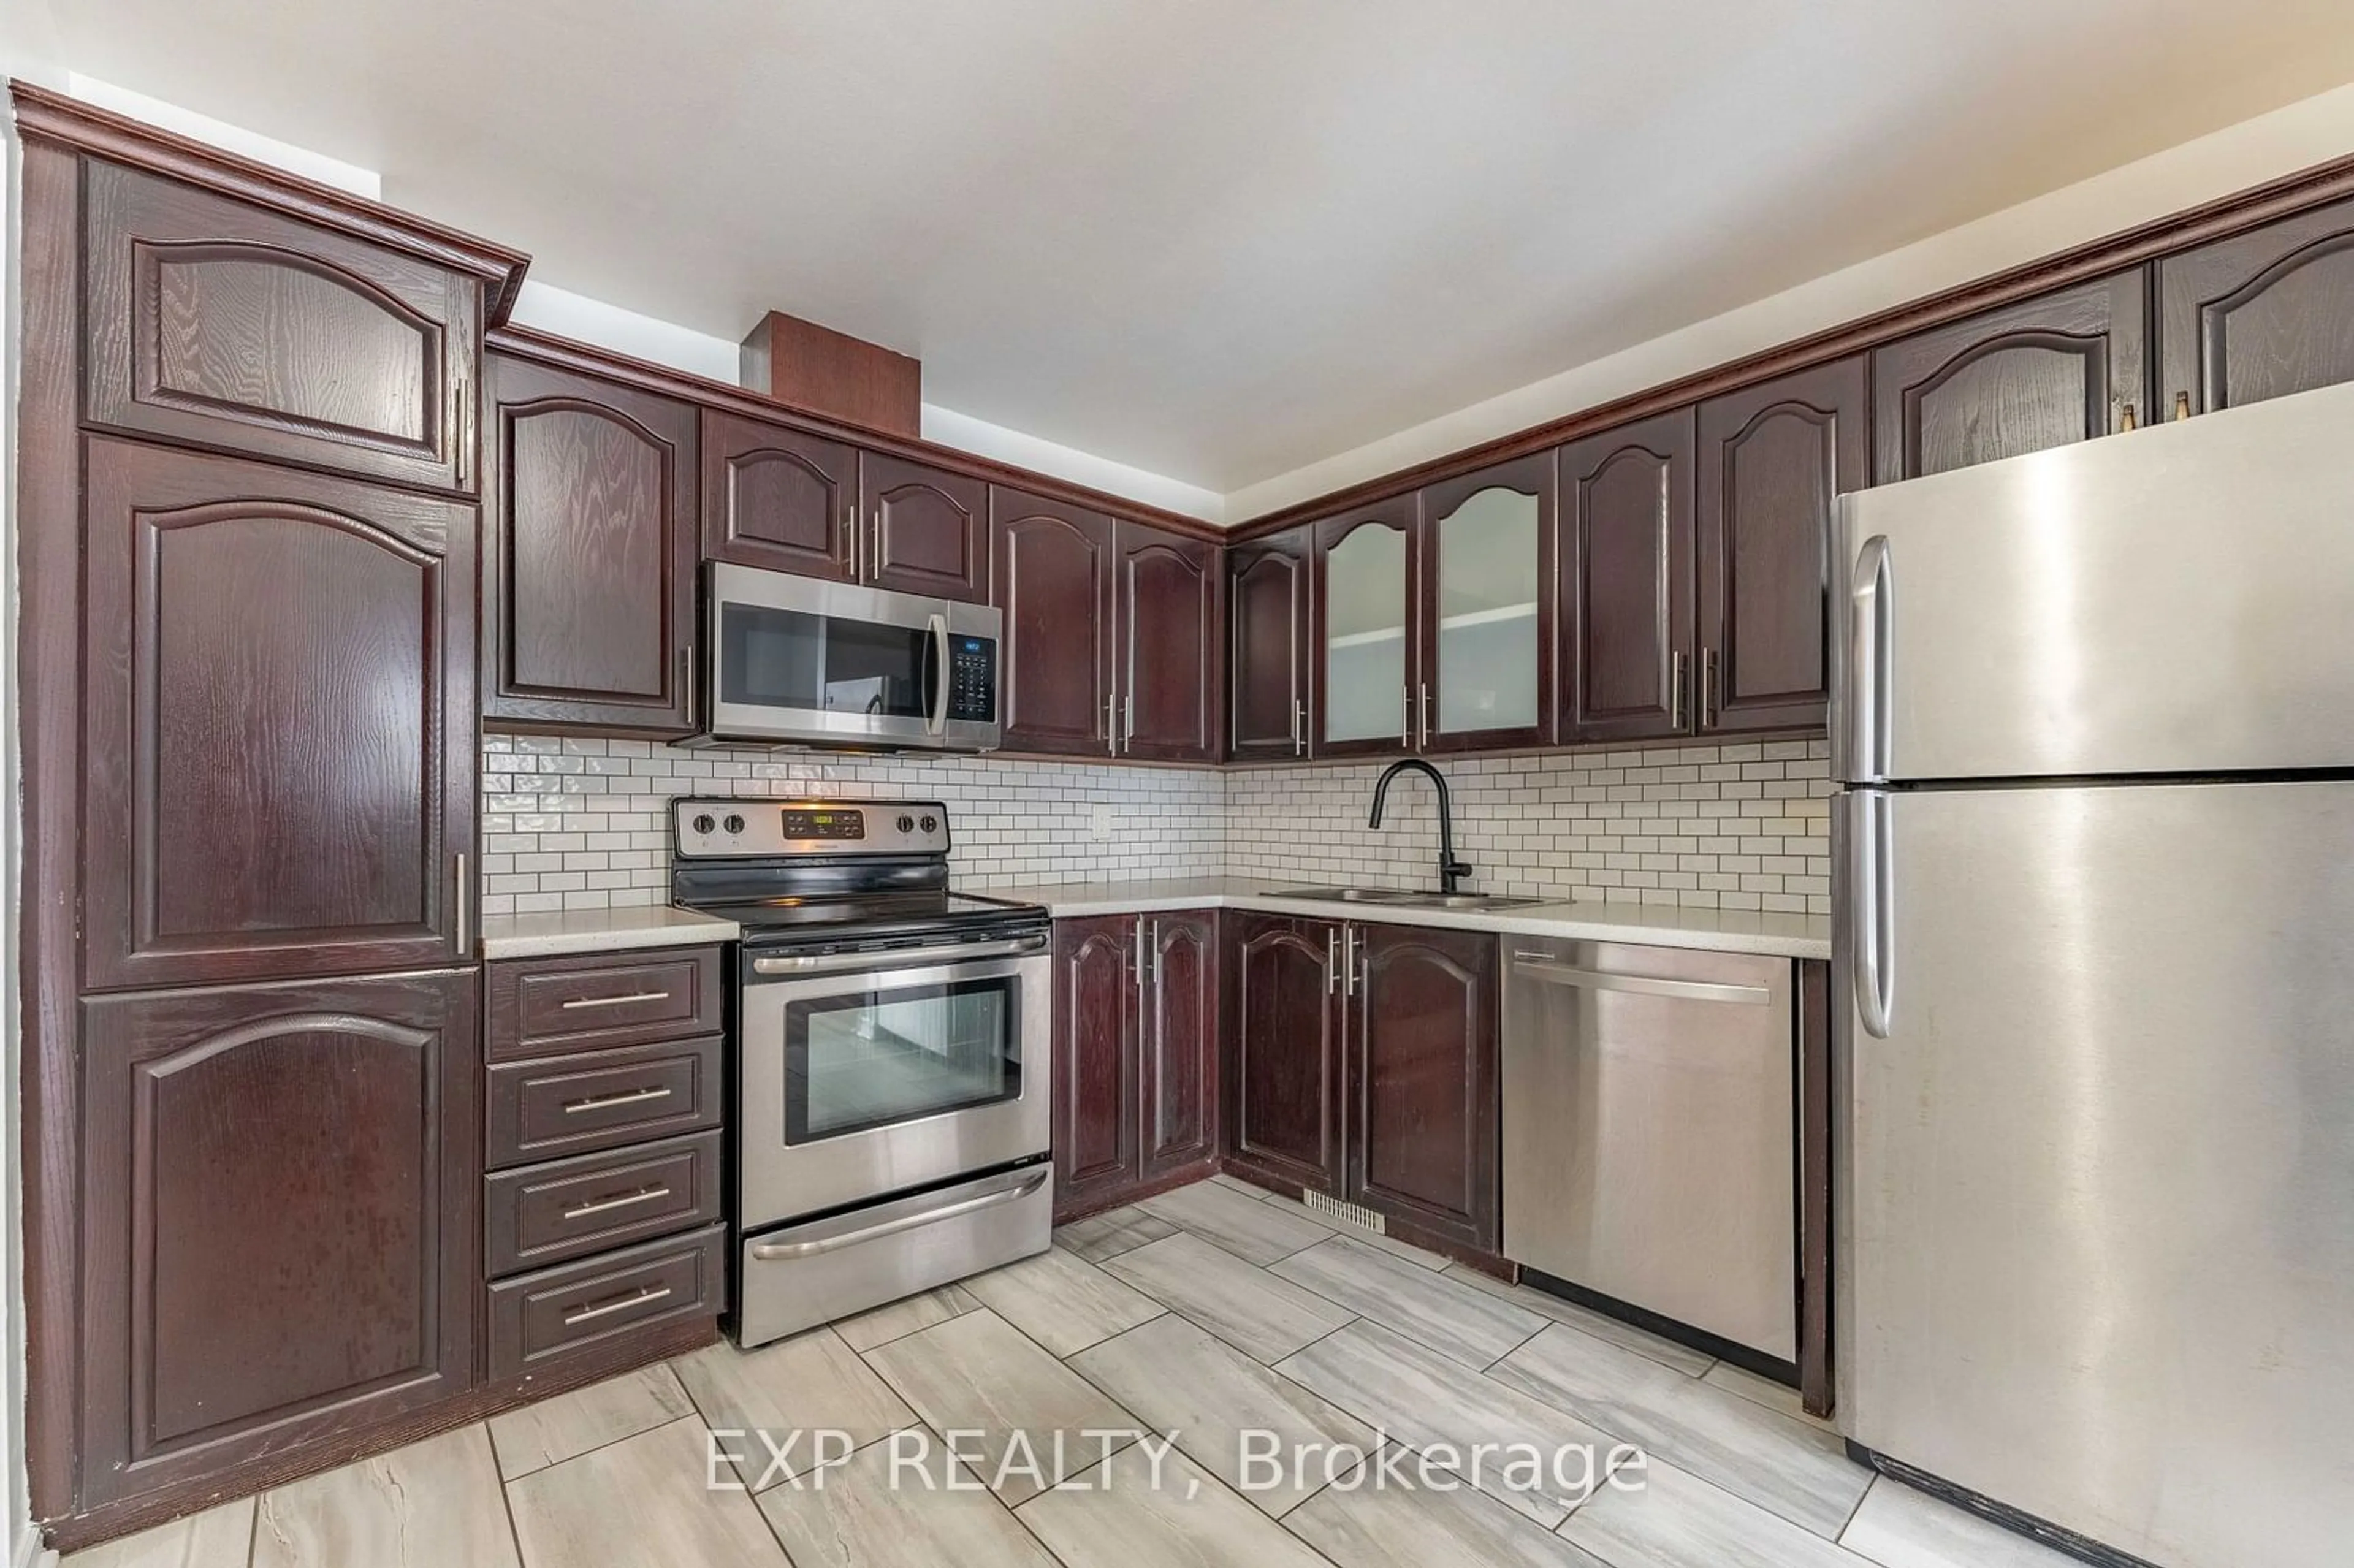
1873, 925
1868, 642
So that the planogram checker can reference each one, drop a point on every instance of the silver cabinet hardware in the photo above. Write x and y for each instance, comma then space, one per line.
1676, 690
462, 448
897, 957
1425, 705
1022, 1184
580, 1001
620, 1304
1332, 960
607, 1102
624, 1200
465, 910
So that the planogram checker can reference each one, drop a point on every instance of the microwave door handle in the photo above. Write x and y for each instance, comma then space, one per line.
937, 721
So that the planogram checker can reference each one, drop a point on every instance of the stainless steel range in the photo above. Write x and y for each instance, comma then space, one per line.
890, 1042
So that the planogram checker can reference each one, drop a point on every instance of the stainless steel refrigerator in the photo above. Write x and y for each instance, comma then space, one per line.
2095, 719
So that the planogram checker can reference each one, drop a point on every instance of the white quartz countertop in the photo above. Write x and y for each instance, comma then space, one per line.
1717, 930
601, 930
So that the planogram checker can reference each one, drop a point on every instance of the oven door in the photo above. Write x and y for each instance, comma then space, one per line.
857, 1084
797, 659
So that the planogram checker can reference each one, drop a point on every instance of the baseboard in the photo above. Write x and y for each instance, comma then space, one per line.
28, 1551
2057, 1536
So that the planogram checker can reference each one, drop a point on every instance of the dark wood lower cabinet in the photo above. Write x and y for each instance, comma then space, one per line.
1421, 1041
1136, 1011
280, 1197
1362, 1064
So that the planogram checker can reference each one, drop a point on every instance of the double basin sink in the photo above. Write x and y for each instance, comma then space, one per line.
1404, 898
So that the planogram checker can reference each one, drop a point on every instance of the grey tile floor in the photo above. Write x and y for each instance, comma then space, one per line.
1203, 1313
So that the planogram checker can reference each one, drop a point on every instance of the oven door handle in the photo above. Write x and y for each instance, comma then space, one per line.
1014, 1185
896, 957
937, 721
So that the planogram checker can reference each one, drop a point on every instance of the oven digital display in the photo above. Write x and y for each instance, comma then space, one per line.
825, 824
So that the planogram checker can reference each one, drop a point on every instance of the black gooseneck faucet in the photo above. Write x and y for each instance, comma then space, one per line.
1450, 870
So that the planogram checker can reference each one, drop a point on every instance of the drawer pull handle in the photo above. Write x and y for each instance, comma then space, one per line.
616, 1000
619, 1304
626, 1097
600, 1205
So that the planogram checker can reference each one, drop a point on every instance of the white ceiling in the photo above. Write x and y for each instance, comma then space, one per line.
1217, 239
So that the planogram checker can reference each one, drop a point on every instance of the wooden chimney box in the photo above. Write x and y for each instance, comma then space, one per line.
825, 372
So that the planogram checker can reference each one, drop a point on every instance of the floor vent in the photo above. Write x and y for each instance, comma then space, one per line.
1332, 1208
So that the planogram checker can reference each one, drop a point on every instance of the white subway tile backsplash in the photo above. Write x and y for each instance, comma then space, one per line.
581, 824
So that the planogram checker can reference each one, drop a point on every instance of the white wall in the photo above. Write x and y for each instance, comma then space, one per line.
22, 1542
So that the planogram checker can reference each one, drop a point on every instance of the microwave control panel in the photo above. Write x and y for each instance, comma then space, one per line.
973, 679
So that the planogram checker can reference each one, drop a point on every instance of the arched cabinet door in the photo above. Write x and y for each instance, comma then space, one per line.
1051, 572
1178, 1052
590, 590
1096, 1089
1365, 657
778, 497
219, 323
1266, 588
1773, 460
927, 529
2259, 316
1627, 581
1282, 1098
1169, 647
2060, 367
280, 1193
1422, 1080
280, 717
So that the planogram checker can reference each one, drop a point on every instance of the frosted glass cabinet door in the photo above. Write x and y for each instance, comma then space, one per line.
1485, 533
1367, 630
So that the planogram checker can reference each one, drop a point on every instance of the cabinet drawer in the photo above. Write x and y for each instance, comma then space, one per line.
544, 1315
569, 1208
544, 1007
600, 1099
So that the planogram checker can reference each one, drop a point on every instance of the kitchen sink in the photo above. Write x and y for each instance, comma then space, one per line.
1406, 898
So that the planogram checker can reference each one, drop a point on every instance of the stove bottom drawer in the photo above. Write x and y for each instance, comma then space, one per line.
798, 1276
538, 1317
545, 1214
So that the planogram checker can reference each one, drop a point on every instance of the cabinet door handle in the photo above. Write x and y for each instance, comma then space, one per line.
465, 909
1405, 716
1127, 721
606, 1205
1140, 974
606, 1102
1425, 706
1708, 684
619, 1304
686, 681
1112, 723
580, 1001
851, 525
1331, 961
1348, 959
1676, 691
461, 451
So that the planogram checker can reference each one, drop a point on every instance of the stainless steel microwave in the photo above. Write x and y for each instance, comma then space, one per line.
791, 659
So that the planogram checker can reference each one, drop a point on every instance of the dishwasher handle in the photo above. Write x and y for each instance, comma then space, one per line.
1540, 968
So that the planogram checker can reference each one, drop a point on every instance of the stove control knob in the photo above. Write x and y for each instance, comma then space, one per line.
931, 824
703, 824
735, 824
907, 824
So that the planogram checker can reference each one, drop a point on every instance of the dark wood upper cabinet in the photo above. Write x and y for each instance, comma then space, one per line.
2259, 316
1051, 571
1773, 460
219, 323
1095, 1090
1487, 609
279, 1194
1268, 653
1626, 575
927, 529
1168, 653
1178, 1051
777, 497
279, 716
590, 590
1282, 1068
1364, 656
2056, 368
1423, 1112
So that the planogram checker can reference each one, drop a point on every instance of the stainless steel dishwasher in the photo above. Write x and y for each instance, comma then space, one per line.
1649, 1131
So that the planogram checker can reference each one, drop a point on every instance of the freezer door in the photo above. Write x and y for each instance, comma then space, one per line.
2168, 600
2098, 1174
